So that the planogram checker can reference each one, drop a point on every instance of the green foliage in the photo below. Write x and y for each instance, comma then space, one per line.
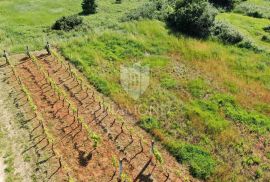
193, 17
96, 139
253, 10
257, 122
197, 88
168, 83
226, 4
267, 29
89, 7
154, 9
67, 23
226, 33
252, 160
258, 173
118, 1
158, 156
149, 123
100, 84
249, 44
266, 38
117, 47
207, 113
200, 162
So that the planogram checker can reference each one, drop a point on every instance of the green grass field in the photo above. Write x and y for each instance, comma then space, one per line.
208, 103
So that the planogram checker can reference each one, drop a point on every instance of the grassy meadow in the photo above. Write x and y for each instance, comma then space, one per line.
208, 103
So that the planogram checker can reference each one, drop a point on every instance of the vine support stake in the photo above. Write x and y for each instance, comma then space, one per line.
6, 56
48, 48
28, 52
152, 147
120, 170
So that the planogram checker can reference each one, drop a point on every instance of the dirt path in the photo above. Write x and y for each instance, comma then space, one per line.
2, 168
13, 135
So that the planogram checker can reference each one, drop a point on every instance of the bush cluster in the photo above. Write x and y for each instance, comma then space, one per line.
226, 33
201, 164
226, 4
154, 9
193, 17
266, 38
67, 23
89, 7
267, 29
252, 10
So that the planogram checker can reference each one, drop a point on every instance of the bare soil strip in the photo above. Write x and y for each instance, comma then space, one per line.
2, 170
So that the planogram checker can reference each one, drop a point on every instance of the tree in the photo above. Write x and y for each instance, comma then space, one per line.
89, 7
193, 17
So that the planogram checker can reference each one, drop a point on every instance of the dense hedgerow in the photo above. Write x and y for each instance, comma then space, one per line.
193, 17
226, 33
67, 23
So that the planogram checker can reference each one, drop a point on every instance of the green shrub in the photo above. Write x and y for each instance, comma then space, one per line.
248, 44
267, 29
266, 38
201, 164
118, 1
252, 10
208, 114
252, 160
256, 121
193, 17
154, 9
100, 85
168, 83
258, 173
89, 7
226, 33
197, 87
226, 4
149, 123
67, 23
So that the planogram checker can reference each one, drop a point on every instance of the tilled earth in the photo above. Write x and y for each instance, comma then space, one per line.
72, 154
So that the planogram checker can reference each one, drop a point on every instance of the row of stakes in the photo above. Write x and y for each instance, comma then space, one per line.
48, 49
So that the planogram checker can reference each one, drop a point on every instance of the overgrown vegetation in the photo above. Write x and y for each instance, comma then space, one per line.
227, 33
193, 17
183, 105
67, 23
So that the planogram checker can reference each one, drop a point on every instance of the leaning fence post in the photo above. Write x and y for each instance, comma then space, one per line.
120, 170
28, 52
48, 48
152, 148
6, 56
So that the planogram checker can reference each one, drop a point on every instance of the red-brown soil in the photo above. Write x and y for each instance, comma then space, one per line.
78, 158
